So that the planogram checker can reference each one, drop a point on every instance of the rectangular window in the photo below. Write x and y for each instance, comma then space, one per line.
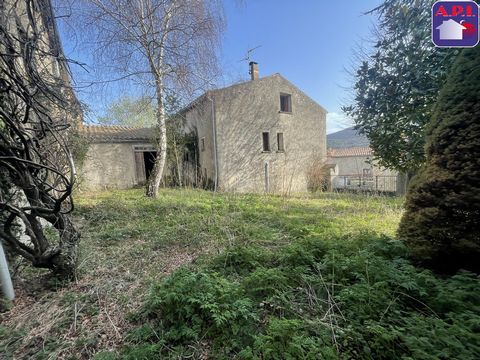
266, 141
285, 102
202, 144
280, 146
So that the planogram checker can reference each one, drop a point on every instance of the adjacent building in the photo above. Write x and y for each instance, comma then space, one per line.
352, 165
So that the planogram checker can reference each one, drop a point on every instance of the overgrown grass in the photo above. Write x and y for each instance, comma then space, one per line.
357, 299
186, 217
272, 277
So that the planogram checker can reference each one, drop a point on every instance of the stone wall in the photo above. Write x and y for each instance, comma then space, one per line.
199, 119
109, 165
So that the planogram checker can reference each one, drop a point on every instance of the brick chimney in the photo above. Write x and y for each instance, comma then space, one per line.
253, 70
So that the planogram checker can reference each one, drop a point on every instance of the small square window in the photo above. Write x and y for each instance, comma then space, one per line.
266, 141
280, 146
202, 144
285, 102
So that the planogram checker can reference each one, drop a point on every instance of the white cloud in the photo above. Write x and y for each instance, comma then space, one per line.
338, 121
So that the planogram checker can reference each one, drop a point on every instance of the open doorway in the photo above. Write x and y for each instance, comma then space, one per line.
149, 161
144, 161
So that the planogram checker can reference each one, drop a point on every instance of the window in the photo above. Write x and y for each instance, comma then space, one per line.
285, 102
266, 141
280, 146
202, 144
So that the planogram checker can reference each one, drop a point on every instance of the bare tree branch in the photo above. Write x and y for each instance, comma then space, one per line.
167, 45
36, 167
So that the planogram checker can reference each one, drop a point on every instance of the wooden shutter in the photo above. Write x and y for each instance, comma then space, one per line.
280, 146
140, 167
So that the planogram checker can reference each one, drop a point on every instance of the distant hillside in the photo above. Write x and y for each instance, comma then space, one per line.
346, 138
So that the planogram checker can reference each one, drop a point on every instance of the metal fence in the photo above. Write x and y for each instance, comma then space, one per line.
378, 183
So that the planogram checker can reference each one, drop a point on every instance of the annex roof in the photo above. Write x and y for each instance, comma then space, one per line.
351, 151
117, 133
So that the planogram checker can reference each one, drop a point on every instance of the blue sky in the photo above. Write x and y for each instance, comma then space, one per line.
310, 42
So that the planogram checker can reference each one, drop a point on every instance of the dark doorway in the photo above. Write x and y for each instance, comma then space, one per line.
149, 160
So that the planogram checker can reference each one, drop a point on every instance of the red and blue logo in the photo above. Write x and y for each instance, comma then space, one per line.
455, 23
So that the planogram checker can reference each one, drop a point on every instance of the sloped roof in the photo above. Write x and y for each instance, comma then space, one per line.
117, 133
352, 151
245, 84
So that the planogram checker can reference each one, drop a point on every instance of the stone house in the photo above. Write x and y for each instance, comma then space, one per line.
352, 166
261, 135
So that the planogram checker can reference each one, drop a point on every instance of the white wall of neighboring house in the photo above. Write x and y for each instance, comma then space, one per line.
362, 173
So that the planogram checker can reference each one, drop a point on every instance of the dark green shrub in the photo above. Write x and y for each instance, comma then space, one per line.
401, 312
189, 306
241, 260
442, 218
304, 253
351, 299
288, 340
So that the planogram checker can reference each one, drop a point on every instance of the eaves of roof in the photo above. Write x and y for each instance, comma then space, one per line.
117, 133
351, 151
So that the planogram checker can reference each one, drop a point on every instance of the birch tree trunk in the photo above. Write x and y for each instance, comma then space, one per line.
160, 159
167, 45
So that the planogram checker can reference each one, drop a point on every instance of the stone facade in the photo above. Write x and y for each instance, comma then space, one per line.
117, 157
109, 165
199, 120
231, 123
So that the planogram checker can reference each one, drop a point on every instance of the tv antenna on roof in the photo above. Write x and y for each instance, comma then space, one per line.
249, 51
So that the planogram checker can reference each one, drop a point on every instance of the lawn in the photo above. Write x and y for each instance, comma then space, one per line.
203, 275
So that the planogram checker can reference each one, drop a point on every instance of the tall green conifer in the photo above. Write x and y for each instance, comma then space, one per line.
441, 224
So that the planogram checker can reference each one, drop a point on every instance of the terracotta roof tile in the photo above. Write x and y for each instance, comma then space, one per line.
352, 151
116, 133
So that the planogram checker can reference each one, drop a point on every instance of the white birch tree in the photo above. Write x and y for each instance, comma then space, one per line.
169, 46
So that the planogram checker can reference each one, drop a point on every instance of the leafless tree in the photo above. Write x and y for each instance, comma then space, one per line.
168, 45
36, 168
